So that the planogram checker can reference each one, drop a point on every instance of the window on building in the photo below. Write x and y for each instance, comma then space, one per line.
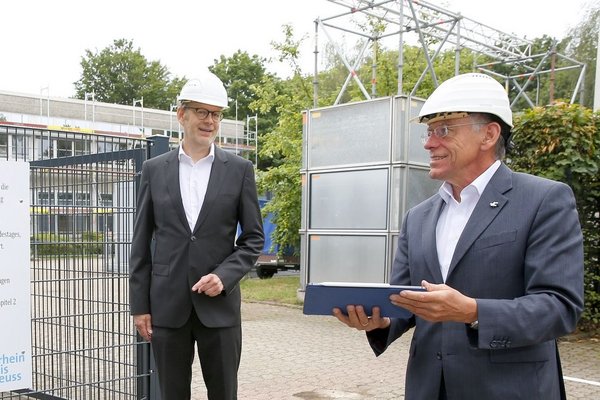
106, 199
65, 199
64, 148
102, 147
107, 147
65, 223
44, 223
46, 198
82, 199
46, 149
82, 147
81, 223
3, 146
18, 148
105, 223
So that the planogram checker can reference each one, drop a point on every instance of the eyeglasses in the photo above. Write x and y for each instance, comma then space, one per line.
202, 113
442, 131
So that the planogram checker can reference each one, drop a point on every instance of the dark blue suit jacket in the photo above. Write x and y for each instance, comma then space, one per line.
521, 257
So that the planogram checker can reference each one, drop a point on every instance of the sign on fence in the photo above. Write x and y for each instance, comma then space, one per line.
15, 314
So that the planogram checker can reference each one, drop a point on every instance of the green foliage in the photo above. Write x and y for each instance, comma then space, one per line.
562, 142
581, 44
121, 74
283, 144
241, 74
238, 73
88, 243
387, 73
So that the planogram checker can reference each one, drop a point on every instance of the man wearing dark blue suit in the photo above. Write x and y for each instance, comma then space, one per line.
500, 254
186, 258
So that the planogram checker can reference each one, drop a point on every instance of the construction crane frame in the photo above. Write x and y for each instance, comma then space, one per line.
436, 26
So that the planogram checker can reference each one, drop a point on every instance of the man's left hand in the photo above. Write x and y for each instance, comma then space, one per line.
210, 285
439, 303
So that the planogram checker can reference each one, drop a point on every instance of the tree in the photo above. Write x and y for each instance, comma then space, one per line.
581, 43
283, 144
240, 74
121, 74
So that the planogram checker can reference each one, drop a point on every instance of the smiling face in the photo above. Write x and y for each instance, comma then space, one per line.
199, 133
464, 153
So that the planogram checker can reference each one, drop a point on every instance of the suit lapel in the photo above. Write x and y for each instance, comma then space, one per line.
428, 239
490, 203
173, 188
215, 182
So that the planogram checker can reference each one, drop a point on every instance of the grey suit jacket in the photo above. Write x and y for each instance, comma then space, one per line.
521, 257
161, 275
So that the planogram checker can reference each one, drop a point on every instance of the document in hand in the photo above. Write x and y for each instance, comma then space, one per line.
322, 298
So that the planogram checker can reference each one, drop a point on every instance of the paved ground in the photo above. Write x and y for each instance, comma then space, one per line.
287, 355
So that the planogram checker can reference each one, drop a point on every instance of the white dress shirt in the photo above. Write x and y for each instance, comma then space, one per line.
455, 215
193, 181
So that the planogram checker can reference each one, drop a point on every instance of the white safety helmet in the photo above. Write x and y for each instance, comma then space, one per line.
207, 88
463, 94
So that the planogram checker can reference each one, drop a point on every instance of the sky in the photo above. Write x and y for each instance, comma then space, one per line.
42, 42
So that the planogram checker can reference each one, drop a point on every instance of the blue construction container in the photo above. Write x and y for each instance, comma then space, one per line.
269, 262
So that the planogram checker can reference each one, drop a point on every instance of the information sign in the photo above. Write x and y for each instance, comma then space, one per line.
15, 314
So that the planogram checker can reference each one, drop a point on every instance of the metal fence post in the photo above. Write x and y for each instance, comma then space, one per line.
157, 145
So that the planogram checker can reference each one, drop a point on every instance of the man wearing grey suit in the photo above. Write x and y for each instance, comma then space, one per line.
500, 254
186, 259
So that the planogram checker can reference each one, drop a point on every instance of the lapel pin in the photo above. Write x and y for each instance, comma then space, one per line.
494, 204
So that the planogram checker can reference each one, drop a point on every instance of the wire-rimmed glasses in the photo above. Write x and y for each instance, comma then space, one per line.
442, 131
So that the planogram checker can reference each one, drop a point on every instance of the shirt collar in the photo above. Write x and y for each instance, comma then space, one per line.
479, 184
184, 157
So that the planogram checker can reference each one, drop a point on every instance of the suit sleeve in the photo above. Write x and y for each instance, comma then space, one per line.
553, 279
140, 262
249, 243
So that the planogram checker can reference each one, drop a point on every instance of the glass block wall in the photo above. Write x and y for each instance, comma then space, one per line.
363, 167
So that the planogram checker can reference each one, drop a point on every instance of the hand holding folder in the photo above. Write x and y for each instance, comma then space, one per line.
322, 298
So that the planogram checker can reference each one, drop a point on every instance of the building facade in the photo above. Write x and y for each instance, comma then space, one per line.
83, 197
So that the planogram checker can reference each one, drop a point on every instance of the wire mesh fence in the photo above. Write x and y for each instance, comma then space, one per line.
82, 210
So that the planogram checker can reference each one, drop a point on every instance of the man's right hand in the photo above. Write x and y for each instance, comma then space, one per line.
143, 324
358, 319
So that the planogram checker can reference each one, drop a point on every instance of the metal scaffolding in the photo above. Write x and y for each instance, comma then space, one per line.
438, 29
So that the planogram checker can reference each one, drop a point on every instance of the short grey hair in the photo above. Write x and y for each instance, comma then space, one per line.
483, 118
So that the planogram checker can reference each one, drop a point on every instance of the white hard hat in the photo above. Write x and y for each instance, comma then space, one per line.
207, 88
473, 92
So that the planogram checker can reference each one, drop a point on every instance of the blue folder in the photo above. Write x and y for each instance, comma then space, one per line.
322, 298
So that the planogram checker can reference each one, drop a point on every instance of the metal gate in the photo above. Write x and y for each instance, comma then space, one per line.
84, 345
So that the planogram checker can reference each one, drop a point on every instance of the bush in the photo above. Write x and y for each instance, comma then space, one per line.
86, 243
562, 142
